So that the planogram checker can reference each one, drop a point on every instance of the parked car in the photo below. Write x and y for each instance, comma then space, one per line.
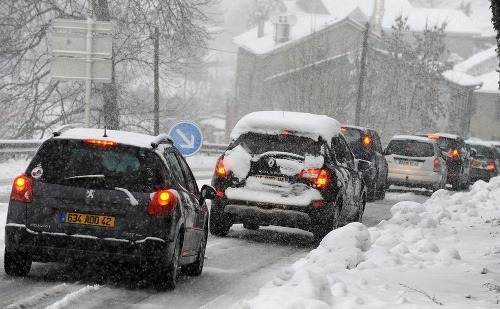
365, 144
457, 158
287, 169
485, 162
415, 161
97, 195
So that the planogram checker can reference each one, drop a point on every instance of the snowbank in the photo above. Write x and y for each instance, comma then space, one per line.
445, 251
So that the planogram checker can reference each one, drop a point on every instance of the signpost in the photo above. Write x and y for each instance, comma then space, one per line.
82, 50
187, 138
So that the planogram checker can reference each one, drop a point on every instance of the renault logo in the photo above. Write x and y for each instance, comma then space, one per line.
271, 162
90, 193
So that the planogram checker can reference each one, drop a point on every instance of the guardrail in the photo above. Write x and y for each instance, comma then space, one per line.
29, 147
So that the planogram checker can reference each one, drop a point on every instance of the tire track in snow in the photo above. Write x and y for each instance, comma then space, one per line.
35, 299
71, 297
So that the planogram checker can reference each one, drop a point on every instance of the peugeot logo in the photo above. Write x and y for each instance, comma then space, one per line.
271, 162
90, 193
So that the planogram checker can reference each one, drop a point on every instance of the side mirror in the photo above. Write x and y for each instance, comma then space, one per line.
473, 152
206, 193
363, 165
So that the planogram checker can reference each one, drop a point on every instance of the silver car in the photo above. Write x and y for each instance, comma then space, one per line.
415, 161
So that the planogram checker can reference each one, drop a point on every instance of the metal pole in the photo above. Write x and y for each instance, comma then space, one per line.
156, 82
88, 72
362, 73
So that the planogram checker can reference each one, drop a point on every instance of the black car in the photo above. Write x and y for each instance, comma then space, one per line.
485, 162
98, 195
287, 169
365, 144
457, 158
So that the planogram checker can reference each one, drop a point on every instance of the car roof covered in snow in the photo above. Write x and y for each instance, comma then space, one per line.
121, 137
275, 122
413, 138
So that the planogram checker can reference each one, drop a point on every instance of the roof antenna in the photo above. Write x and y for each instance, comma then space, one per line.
105, 135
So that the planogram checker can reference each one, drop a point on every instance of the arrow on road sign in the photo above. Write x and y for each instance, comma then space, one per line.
188, 143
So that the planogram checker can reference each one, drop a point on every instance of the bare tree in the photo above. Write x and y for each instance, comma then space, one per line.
33, 103
495, 19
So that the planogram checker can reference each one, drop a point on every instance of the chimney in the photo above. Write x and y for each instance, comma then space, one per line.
260, 28
282, 29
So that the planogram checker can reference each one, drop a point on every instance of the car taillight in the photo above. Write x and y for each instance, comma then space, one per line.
220, 170
219, 193
22, 189
454, 153
367, 140
162, 203
491, 166
436, 165
318, 176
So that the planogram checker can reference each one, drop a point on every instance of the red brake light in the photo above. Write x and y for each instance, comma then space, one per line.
454, 153
162, 203
22, 189
100, 142
318, 204
433, 136
219, 193
285, 132
317, 175
220, 170
367, 140
436, 164
491, 166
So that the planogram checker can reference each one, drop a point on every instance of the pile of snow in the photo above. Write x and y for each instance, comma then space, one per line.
445, 251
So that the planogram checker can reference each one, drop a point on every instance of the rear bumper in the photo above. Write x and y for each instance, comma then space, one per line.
304, 217
483, 174
48, 247
410, 180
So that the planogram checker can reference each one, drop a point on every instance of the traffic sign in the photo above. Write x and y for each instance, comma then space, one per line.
187, 138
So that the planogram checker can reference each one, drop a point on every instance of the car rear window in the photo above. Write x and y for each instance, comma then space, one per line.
484, 151
256, 143
73, 162
410, 148
353, 138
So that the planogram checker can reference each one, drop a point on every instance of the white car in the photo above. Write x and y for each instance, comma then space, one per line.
415, 161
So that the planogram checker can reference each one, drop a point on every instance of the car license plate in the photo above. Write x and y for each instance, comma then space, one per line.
277, 178
87, 219
408, 162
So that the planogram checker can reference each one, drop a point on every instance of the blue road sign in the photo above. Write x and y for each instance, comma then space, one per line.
187, 138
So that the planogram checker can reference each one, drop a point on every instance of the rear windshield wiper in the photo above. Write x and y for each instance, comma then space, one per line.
84, 176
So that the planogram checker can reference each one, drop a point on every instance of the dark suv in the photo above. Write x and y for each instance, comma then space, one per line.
365, 144
89, 194
287, 169
457, 158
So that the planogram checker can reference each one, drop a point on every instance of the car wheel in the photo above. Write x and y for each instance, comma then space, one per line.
466, 184
167, 275
251, 226
321, 229
220, 223
361, 209
455, 185
16, 264
196, 268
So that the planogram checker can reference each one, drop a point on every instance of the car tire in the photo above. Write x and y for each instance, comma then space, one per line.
466, 184
167, 275
251, 226
361, 209
220, 224
16, 264
322, 228
196, 268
